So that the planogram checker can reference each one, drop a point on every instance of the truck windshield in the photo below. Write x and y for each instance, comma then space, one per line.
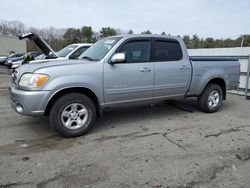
100, 49
66, 50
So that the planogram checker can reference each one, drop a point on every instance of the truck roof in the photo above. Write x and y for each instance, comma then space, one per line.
147, 35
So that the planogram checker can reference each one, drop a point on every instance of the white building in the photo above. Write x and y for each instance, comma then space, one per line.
9, 45
243, 53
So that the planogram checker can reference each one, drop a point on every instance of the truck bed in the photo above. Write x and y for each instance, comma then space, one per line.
207, 68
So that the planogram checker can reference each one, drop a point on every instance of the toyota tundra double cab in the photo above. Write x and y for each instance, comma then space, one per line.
117, 71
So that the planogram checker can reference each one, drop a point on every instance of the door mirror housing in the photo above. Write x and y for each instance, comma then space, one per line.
73, 56
118, 58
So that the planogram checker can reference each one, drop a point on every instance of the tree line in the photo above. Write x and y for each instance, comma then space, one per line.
58, 38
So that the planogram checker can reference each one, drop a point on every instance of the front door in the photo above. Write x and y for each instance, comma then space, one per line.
131, 80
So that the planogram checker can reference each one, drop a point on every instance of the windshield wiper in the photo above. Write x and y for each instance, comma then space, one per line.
88, 58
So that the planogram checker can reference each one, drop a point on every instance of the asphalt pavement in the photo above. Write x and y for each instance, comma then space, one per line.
169, 144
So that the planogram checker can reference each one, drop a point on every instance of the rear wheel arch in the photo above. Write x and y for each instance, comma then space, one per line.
220, 82
82, 90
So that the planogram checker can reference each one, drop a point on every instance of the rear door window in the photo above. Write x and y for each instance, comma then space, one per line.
167, 51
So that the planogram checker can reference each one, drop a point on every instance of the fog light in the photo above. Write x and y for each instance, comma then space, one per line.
19, 108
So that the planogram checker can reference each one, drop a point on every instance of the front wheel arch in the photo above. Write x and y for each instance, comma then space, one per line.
82, 90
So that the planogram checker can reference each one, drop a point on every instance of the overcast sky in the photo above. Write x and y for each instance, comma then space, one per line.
215, 18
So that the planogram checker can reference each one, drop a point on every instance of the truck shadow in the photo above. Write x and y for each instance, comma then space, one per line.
141, 113
118, 117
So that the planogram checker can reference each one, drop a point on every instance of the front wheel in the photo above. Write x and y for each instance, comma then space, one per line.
211, 99
72, 115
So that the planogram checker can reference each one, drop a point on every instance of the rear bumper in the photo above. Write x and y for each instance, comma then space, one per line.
30, 101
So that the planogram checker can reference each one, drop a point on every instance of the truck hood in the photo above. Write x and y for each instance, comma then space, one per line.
28, 68
46, 49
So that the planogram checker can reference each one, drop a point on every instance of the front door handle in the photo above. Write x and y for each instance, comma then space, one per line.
145, 69
183, 67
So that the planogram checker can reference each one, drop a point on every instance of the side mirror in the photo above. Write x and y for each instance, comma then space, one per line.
72, 57
118, 58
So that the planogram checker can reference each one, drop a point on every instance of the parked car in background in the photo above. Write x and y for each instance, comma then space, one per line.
1, 57
117, 71
72, 51
2, 60
13, 57
27, 57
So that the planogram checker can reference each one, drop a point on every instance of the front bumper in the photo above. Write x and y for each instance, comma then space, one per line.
31, 101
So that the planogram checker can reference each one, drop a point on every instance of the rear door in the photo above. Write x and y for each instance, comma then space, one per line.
172, 72
132, 80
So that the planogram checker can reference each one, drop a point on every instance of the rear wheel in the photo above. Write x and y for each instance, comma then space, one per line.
211, 99
72, 115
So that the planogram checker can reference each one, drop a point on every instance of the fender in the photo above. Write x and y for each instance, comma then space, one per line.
199, 81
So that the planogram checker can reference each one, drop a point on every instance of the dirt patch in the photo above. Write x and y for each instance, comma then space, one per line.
22, 147
76, 176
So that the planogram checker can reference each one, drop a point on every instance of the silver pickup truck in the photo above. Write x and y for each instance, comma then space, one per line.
118, 71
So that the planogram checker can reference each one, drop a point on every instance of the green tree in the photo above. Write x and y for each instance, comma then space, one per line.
72, 35
209, 43
195, 42
87, 34
187, 40
218, 43
107, 31
130, 31
163, 33
146, 32
246, 41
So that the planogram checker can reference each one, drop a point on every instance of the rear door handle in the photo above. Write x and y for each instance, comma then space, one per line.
183, 67
145, 69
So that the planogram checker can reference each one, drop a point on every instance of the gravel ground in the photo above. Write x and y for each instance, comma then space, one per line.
161, 145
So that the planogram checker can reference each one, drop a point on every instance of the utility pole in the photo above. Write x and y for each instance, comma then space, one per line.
242, 41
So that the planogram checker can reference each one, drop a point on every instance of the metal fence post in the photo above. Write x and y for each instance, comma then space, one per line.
247, 77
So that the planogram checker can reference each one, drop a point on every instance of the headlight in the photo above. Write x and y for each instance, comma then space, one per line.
33, 80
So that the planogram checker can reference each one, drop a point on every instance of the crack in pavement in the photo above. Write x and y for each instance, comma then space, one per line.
101, 139
57, 143
211, 174
44, 183
135, 135
146, 135
239, 157
14, 184
222, 132
243, 154
76, 176
165, 135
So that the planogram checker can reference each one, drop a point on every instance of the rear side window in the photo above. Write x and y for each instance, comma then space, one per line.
167, 51
136, 51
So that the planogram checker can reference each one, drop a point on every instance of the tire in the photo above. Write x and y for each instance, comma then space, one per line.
72, 115
208, 102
